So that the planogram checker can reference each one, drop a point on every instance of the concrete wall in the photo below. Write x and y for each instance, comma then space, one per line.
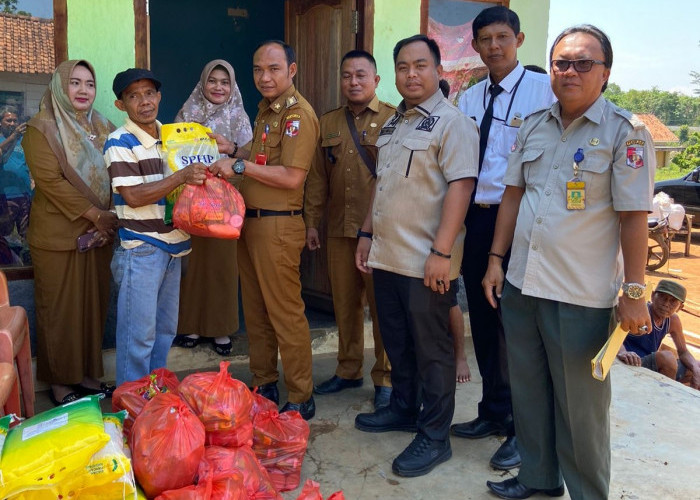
32, 86
397, 19
105, 37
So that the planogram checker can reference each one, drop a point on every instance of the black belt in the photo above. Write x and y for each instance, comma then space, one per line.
261, 212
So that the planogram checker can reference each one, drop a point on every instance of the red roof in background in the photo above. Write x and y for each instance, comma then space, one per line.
659, 132
26, 44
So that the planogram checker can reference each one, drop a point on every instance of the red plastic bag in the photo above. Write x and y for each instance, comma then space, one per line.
220, 462
223, 405
279, 443
215, 209
226, 488
133, 396
312, 491
167, 445
260, 403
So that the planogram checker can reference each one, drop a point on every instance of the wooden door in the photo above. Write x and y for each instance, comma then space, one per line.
321, 32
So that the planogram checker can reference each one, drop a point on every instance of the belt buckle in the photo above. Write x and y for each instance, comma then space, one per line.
484, 205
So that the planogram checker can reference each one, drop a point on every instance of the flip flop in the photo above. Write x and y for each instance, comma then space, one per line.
223, 349
186, 342
68, 398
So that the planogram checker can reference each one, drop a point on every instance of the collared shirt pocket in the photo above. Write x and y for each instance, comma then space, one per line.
530, 158
332, 148
596, 171
416, 154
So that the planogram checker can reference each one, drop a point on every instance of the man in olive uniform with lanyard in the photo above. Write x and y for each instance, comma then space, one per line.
342, 180
575, 210
284, 142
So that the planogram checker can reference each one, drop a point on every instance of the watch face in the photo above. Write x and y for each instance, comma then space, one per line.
635, 291
239, 166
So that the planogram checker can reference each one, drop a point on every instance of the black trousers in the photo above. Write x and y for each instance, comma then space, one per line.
413, 321
487, 327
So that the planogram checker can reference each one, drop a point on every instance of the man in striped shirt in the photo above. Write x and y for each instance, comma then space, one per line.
146, 266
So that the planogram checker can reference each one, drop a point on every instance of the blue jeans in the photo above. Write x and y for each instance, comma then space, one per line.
148, 282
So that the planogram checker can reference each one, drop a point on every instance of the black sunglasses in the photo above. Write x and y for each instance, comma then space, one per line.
580, 65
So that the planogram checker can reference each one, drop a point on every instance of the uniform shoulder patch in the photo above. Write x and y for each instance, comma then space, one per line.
291, 128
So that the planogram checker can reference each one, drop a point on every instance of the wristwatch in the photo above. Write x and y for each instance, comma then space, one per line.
634, 290
239, 167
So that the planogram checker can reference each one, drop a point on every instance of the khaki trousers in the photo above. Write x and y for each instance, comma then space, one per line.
269, 253
347, 285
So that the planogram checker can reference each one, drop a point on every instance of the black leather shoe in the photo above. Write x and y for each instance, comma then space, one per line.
336, 384
507, 456
421, 456
479, 428
307, 409
514, 489
382, 397
270, 391
385, 420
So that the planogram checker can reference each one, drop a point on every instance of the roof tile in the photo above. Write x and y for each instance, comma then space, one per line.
26, 44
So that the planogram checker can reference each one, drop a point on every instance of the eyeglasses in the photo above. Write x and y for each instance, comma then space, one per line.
580, 65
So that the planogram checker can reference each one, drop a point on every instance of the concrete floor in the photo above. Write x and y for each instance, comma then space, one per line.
654, 439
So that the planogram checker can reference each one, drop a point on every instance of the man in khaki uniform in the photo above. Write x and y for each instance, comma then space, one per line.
285, 136
342, 179
427, 163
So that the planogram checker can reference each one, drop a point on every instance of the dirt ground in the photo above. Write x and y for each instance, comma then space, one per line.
687, 271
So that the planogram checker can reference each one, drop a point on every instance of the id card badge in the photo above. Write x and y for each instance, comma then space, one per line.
575, 194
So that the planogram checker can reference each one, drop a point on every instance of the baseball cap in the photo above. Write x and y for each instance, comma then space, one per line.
129, 76
672, 288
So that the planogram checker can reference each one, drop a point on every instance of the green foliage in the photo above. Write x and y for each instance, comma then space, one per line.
672, 171
8, 6
672, 108
683, 133
690, 157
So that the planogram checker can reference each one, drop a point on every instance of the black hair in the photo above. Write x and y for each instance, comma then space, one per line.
495, 15
432, 45
356, 54
596, 33
288, 50
445, 87
535, 68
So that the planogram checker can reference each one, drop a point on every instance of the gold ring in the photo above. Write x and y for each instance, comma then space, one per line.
439, 282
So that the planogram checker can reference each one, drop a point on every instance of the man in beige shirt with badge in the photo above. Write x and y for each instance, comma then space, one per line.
341, 181
578, 189
412, 241
285, 136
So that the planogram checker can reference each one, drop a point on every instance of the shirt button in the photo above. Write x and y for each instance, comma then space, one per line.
350, 151
563, 139
539, 220
396, 142
534, 247
405, 121
348, 170
347, 189
381, 189
556, 167
548, 192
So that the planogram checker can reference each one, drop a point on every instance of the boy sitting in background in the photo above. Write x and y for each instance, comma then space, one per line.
643, 350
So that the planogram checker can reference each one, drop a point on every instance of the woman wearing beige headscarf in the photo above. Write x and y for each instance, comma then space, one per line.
63, 148
209, 287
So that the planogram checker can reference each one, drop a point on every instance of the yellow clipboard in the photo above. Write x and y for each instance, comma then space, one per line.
600, 365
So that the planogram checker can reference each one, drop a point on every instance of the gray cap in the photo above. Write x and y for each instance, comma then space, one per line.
672, 288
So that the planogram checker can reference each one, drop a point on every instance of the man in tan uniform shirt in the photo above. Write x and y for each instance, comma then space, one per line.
285, 135
342, 181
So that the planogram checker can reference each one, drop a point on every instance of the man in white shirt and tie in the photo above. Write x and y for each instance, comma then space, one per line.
499, 104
